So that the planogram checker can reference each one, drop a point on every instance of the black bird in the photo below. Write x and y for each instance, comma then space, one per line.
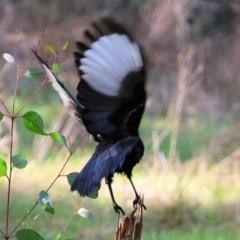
110, 103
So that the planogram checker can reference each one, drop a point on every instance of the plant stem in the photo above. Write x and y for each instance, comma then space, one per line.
5, 107
29, 60
22, 220
71, 153
70, 220
13, 116
10, 176
2, 234
16, 86
24, 105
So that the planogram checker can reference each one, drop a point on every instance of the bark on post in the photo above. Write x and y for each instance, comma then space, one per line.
130, 226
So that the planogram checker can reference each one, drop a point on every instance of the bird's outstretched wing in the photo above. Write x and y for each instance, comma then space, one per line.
69, 101
112, 73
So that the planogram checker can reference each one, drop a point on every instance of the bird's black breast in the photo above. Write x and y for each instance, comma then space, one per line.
132, 159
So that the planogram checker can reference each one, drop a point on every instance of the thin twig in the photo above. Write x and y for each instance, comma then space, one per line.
20, 75
71, 152
2, 234
16, 86
10, 235
70, 220
29, 60
36, 91
10, 176
5, 107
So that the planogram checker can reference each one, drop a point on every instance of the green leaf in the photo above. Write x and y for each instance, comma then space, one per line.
57, 137
1, 116
64, 47
56, 68
33, 73
33, 122
59, 236
48, 48
19, 161
86, 214
93, 195
71, 177
28, 234
3, 168
45, 203
8, 57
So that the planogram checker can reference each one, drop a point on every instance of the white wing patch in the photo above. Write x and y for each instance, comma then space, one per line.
109, 60
64, 94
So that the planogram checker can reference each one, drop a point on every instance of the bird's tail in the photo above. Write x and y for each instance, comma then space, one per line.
107, 159
68, 99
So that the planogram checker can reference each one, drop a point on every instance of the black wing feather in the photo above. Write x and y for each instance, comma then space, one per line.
108, 158
124, 110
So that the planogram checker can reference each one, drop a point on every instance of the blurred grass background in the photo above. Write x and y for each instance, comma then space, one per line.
190, 171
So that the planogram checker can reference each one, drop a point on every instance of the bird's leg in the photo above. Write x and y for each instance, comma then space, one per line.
116, 207
137, 199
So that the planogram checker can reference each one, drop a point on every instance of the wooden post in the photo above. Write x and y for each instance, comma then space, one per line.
129, 227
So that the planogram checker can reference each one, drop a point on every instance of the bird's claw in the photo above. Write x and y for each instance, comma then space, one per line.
118, 209
138, 201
